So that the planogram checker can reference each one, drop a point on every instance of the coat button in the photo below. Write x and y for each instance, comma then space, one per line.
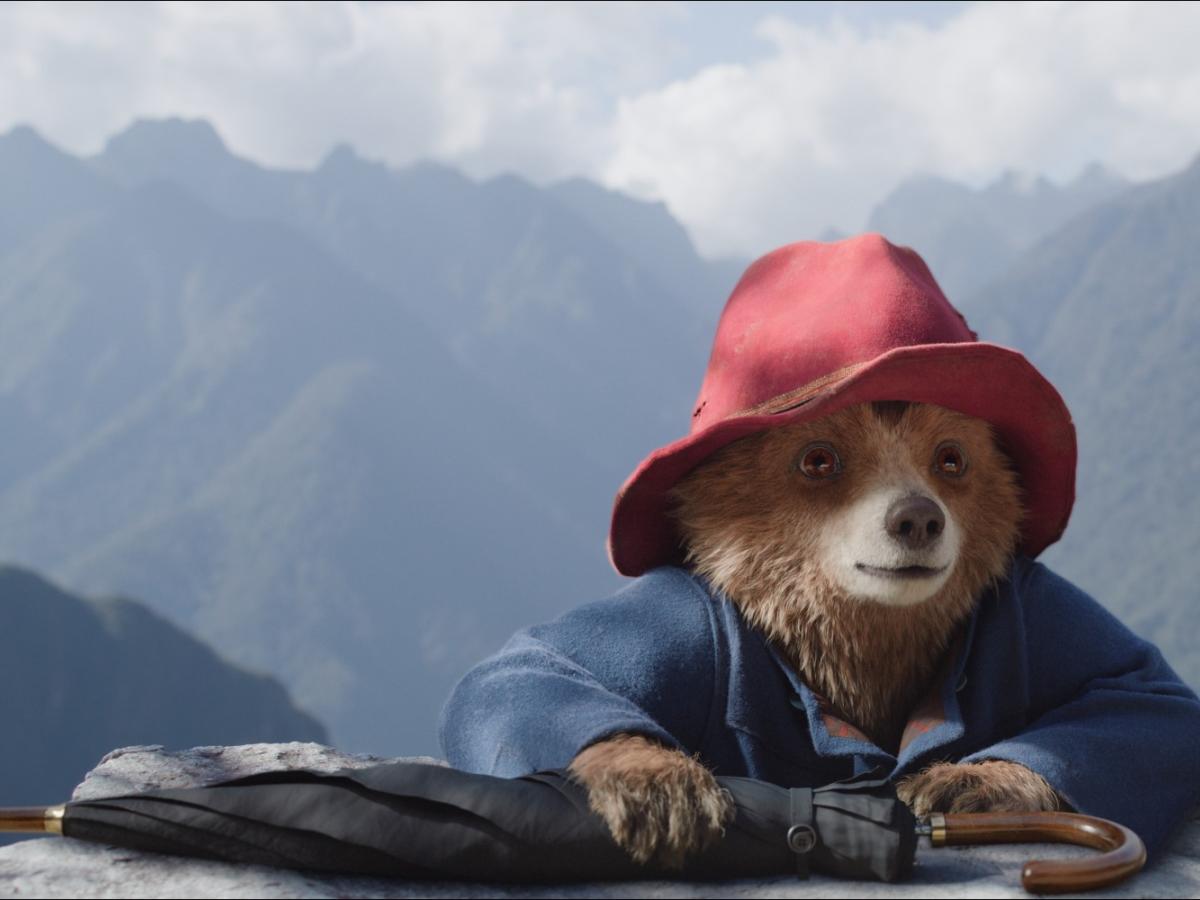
801, 838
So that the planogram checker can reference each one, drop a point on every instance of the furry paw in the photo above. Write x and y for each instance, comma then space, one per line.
660, 804
990, 786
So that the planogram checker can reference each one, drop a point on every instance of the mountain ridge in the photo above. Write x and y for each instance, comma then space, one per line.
113, 672
1108, 308
971, 235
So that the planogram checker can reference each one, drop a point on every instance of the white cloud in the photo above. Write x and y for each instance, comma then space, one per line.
754, 155
747, 152
490, 86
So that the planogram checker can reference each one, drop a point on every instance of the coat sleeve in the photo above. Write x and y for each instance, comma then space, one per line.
1111, 727
640, 662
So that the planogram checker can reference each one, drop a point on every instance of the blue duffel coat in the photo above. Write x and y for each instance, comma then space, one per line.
1042, 675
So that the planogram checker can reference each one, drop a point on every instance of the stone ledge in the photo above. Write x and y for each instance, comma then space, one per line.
52, 867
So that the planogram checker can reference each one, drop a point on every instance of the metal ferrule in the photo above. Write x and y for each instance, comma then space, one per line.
54, 819
937, 829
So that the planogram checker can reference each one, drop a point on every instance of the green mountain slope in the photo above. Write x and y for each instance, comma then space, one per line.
1109, 309
79, 677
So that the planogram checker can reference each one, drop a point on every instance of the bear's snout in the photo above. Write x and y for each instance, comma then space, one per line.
915, 521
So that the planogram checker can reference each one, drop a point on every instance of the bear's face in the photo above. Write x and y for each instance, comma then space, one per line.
885, 503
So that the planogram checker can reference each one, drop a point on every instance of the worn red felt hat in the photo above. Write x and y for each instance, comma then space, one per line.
814, 327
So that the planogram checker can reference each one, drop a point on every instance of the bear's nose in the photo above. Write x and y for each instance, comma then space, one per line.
915, 521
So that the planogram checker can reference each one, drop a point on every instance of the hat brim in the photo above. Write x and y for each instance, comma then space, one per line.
990, 382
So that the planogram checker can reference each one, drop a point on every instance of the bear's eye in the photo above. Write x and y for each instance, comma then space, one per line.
819, 461
949, 459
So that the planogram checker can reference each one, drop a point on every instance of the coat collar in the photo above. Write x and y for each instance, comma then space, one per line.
761, 684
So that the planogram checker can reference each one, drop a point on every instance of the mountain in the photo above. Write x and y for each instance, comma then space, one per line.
1108, 307
42, 185
281, 457
516, 280
353, 425
79, 677
969, 237
650, 234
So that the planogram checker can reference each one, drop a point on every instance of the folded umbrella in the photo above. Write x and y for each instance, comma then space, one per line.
422, 821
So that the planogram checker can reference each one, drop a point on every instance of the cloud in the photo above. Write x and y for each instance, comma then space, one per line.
490, 86
756, 154
748, 150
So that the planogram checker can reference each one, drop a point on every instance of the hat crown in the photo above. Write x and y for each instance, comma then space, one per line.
809, 309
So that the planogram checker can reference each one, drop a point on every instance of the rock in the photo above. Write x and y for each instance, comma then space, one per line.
53, 867
132, 769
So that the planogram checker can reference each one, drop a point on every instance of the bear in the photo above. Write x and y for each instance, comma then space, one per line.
857, 544
835, 573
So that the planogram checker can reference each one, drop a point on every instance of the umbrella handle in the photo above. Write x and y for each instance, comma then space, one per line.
1124, 853
32, 819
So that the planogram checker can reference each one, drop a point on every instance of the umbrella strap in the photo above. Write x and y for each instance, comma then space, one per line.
801, 836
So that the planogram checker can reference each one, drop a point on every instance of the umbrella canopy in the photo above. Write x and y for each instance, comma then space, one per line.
416, 820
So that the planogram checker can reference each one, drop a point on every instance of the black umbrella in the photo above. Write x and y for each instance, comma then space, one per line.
417, 820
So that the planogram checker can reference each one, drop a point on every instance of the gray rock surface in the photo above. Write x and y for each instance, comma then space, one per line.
54, 867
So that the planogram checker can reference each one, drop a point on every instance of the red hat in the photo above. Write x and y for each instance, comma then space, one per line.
812, 328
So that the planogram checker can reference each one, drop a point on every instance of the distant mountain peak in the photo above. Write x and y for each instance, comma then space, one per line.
1097, 175
831, 235
341, 154
24, 136
918, 181
645, 229
26, 144
344, 161
509, 181
1019, 182
579, 185
969, 234
40, 183
173, 135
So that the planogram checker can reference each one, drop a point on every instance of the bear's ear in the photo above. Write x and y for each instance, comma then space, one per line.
890, 412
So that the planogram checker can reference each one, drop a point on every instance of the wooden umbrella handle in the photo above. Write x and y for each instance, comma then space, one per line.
1124, 853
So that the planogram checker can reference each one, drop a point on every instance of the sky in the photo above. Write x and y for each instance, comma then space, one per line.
748, 120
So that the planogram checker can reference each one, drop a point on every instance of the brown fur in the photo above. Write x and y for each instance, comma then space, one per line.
751, 523
659, 804
990, 786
